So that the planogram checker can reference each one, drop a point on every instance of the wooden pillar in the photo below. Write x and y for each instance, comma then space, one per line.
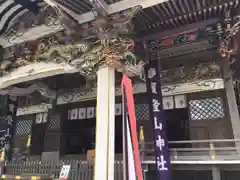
231, 101
216, 175
105, 125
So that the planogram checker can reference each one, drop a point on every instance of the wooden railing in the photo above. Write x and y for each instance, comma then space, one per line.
224, 150
218, 149
80, 170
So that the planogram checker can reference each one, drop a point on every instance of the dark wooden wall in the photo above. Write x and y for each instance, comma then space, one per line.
20, 138
56, 132
219, 128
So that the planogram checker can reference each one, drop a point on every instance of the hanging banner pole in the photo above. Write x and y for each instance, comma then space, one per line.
132, 169
156, 112
142, 151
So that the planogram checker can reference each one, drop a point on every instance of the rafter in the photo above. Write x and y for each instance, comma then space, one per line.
116, 7
43, 30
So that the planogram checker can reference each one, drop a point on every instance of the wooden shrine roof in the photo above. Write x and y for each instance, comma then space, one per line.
165, 15
156, 15
177, 13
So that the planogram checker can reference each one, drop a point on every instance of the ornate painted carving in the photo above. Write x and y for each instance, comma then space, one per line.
78, 95
38, 87
108, 27
191, 73
34, 71
40, 108
80, 48
229, 46
87, 57
44, 15
167, 90
70, 46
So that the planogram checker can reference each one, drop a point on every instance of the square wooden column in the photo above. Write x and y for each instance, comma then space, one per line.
216, 174
231, 101
105, 125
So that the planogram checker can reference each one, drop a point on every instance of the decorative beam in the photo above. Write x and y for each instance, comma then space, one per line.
31, 34
44, 30
177, 31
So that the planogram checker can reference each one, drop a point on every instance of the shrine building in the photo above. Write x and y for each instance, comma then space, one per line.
196, 44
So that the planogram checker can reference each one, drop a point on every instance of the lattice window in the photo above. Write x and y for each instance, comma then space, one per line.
23, 127
54, 122
203, 109
142, 111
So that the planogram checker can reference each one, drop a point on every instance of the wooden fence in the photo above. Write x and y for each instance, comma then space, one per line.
80, 170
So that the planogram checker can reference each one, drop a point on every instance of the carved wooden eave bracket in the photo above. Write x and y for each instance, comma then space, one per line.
48, 57
70, 52
229, 46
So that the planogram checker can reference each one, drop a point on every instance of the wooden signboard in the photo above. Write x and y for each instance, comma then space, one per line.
91, 157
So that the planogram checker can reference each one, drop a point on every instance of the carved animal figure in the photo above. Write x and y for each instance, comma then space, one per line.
58, 53
40, 87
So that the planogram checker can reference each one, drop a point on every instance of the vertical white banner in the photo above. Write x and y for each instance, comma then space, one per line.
118, 109
131, 162
45, 117
69, 114
180, 101
90, 112
82, 113
39, 118
74, 114
168, 102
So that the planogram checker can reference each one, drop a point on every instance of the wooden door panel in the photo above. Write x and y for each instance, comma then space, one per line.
219, 132
199, 133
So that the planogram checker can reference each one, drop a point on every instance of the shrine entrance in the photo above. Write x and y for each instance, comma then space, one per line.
177, 125
78, 129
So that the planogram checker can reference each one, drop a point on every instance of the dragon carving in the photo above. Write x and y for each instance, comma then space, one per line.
86, 47
101, 42
86, 56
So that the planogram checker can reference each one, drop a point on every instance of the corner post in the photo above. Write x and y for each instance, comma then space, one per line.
231, 101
